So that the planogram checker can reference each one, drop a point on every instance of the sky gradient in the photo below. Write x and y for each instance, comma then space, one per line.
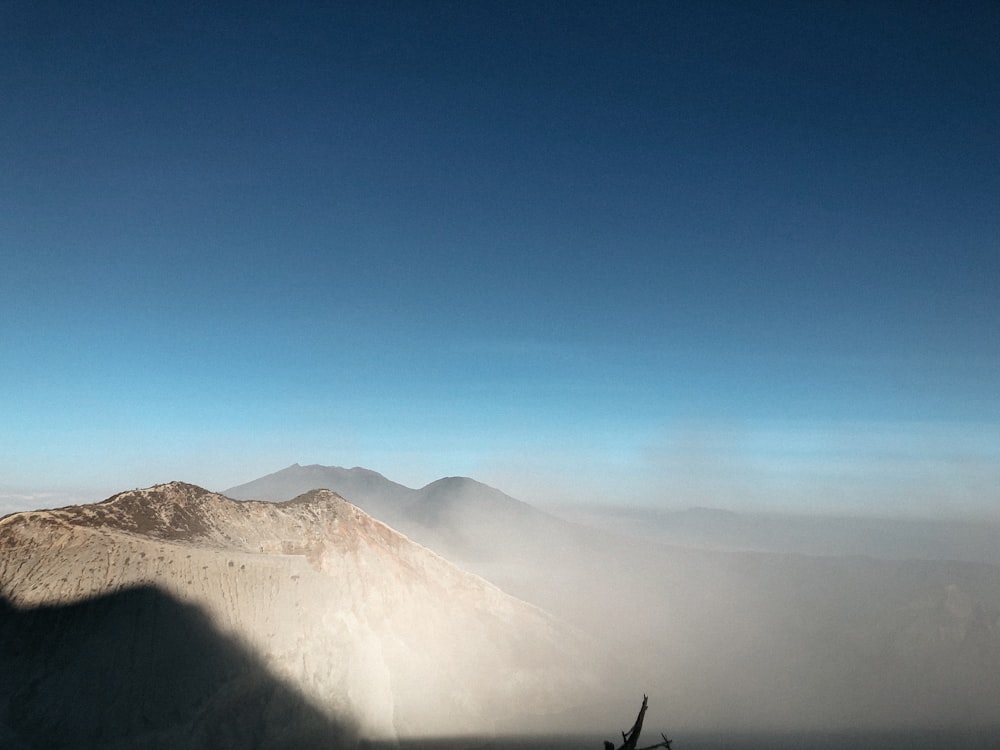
694, 253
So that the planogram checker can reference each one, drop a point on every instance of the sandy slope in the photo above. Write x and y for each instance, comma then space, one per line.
365, 623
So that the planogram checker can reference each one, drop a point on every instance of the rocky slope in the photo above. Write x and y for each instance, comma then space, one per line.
359, 623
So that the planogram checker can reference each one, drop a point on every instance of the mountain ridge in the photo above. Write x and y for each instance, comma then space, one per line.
459, 517
363, 620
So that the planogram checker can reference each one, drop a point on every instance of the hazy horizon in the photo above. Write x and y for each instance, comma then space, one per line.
564, 501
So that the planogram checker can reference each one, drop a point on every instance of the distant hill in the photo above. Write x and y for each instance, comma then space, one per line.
207, 613
367, 489
460, 518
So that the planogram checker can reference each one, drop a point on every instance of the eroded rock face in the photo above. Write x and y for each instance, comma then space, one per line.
366, 625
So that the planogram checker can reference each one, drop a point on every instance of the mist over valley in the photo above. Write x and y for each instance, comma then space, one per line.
723, 635
454, 610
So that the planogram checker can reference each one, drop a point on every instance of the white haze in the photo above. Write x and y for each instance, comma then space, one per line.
723, 638
16, 502
868, 469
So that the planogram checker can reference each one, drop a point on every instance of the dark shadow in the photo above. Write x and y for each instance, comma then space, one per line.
139, 668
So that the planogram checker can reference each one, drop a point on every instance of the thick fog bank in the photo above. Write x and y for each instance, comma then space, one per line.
835, 536
723, 638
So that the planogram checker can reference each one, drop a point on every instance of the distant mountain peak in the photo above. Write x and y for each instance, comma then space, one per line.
454, 482
457, 516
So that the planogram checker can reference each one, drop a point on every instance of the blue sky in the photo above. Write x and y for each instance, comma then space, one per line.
734, 254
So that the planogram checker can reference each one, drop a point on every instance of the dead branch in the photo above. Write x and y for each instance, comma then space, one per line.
630, 739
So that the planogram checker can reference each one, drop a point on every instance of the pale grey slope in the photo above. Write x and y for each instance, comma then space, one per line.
362, 621
474, 524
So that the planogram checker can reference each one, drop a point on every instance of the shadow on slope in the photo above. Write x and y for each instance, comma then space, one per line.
138, 668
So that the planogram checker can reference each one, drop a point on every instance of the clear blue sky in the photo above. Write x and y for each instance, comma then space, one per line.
682, 253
